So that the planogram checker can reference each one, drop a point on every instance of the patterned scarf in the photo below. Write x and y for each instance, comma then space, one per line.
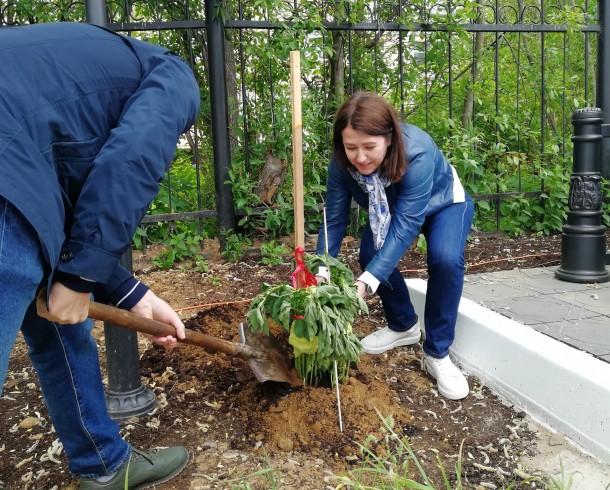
379, 211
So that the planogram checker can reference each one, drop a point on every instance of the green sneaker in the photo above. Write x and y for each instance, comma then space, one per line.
144, 468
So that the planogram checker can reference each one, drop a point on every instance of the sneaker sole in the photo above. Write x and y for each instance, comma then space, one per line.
447, 394
167, 478
393, 345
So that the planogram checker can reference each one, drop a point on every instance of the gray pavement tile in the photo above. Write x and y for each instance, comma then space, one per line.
598, 301
548, 284
577, 314
543, 309
591, 334
582, 346
504, 277
491, 290
541, 280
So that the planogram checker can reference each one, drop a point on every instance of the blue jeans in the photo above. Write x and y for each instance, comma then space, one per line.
65, 356
446, 233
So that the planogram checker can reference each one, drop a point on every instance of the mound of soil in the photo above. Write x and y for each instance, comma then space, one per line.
272, 435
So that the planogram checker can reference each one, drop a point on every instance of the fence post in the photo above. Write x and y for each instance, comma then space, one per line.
583, 243
95, 11
220, 117
126, 396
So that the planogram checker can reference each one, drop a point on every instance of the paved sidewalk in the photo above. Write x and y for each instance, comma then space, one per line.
575, 314
567, 386
544, 346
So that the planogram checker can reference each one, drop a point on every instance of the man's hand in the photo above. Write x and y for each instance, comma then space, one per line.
151, 306
65, 305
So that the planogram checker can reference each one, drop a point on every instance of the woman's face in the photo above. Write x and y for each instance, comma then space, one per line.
364, 151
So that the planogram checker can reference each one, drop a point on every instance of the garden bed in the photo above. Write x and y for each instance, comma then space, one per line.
234, 426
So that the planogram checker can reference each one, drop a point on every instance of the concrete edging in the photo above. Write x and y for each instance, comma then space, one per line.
560, 386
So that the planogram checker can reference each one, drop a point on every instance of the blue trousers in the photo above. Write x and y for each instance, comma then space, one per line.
446, 233
65, 357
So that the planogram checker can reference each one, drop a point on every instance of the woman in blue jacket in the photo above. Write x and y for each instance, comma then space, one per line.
89, 122
399, 175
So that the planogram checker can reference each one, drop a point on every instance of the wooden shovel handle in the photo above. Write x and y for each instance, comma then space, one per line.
131, 321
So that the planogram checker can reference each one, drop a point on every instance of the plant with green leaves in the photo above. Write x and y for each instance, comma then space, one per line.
273, 253
235, 246
181, 247
318, 319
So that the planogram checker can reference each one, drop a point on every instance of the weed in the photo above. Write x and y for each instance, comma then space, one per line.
273, 253
235, 246
180, 247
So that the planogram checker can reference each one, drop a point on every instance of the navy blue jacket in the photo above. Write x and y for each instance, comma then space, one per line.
429, 184
89, 122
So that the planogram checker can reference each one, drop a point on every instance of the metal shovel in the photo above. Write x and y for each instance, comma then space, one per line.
264, 354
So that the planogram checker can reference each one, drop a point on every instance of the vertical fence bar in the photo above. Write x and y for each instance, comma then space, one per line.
95, 12
220, 118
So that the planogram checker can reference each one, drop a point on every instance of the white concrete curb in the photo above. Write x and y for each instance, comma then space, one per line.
562, 387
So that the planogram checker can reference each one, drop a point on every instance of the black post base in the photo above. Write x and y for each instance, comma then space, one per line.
579, 276
583, 257
125, 405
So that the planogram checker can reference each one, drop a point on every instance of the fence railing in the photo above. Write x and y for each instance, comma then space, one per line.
494, 83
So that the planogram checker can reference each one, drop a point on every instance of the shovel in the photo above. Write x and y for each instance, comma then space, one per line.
264, 354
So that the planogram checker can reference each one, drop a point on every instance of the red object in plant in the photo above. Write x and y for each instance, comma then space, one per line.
302, 277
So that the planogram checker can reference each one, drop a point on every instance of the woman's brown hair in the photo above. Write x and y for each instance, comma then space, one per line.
373, 115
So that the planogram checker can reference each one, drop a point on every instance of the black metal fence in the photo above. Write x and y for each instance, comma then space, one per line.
457, 69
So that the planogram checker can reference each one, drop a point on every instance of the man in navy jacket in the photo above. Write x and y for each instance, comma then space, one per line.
89, 122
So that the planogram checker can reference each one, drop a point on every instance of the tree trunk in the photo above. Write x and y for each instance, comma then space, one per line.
232, 88
547, 114
271, 178
337, 89
476, 55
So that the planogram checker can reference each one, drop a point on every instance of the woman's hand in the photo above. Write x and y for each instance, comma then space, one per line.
362, 292
151, 306
65, 305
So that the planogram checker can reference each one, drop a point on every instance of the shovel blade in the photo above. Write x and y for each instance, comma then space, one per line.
274, 364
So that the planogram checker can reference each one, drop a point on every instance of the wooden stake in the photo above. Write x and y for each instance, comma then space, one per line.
297, 149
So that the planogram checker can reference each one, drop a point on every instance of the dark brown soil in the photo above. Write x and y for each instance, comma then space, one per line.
272, 435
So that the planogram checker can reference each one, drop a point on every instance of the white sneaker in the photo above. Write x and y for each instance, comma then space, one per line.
385, 339
451, 382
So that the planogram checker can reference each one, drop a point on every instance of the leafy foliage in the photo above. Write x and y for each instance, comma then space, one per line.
180, 247
497, 103
235, 246
273, 253
319, 319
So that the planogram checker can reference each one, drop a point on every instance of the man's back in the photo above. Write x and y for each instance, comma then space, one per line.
89, 121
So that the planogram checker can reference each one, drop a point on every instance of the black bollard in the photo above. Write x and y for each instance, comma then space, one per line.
126, 395
583, 243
